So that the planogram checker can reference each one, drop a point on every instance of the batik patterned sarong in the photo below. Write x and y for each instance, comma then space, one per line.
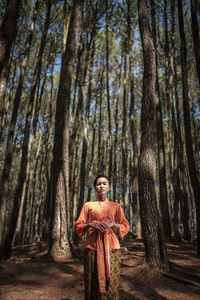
91, 276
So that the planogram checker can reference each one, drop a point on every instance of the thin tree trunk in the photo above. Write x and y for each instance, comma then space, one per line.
187, 124
110, 151
153, 235
48, 200
90, 167
134, 177
100, 140
115, 164
124, 138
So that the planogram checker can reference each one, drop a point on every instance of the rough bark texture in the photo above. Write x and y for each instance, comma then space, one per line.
195, 33
156, 254
187, 124
22, 178
7, 35
161, 144
9, 146
58, 243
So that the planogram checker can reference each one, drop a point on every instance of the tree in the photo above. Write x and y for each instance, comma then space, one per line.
22, 178
58, 242
151, 223
9, 146
195, 34
7, 36
161, 145
187, 123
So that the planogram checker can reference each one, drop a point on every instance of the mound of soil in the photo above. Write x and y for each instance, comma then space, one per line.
31, 275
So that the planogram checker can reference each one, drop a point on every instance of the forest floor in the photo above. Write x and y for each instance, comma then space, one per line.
31, 275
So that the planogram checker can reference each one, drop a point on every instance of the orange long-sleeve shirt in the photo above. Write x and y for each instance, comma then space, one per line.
108, 212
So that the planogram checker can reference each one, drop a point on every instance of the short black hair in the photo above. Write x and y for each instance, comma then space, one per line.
99, 176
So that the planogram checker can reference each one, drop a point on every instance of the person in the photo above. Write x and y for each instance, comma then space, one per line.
102, 254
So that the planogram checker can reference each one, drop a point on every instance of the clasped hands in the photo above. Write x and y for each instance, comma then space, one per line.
102, 226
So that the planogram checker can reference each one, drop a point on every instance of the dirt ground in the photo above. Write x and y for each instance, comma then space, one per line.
31, 275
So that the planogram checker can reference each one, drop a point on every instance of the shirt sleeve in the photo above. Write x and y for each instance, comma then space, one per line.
123, 223
80, 223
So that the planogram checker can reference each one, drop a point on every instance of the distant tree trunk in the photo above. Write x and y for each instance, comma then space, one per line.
124, 130
134, 177
195, 33
100, 140
187, 125
179, 176
90, 167
152, 230
48, 200
26, 142
58, 242
161, 145
7, 36
116, 117
110, 150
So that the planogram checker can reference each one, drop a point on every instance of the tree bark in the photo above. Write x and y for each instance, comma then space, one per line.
110, 150
195, 34
9, 146
153, 235
161, 144
22, 178
187, 123
7, 36
58, 242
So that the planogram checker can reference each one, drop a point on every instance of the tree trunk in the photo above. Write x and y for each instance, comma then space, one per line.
153, 235
25, 149
58, 242
124, 138
110, 150
7, 36
9, 146
187, 124
85, 125
195, 33
161, 145
100, 140
134, 177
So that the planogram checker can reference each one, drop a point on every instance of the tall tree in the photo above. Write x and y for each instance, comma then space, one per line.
161, 145
187, 123
109, 131
7, 36
23, 172
195, 34
11, 130
151, 223
58, 242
